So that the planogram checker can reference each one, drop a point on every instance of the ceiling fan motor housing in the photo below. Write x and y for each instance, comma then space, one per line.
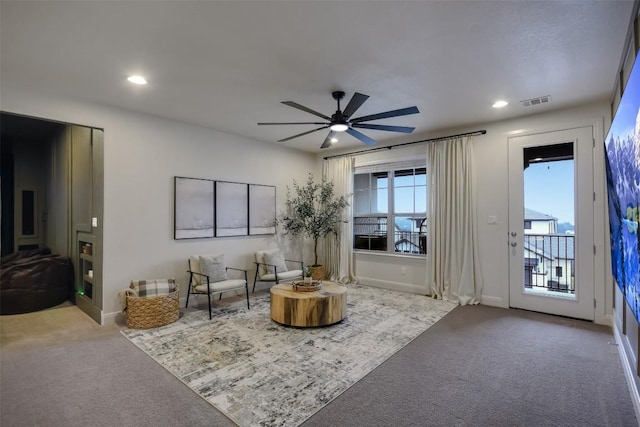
338, 117
337, 95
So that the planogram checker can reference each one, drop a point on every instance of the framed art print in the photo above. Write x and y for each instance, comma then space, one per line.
231, 209
193, 208
262, 209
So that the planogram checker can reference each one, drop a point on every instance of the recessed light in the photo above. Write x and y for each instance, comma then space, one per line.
138, 80
500, 104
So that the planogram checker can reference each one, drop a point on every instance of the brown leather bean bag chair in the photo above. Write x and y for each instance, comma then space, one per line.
34, 280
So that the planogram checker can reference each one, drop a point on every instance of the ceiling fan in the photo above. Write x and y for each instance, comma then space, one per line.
341, 121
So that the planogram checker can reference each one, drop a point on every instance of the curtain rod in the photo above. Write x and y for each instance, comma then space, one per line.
389, 147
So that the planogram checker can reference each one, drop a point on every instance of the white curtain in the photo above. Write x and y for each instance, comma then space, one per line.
453, 268
338, 253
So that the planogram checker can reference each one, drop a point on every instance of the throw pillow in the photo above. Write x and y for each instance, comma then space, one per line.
277, 259
213, 266
260, 257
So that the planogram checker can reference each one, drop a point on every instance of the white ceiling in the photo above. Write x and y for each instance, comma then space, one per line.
228, 65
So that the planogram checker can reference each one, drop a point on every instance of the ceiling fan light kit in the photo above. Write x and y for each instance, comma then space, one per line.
339, 127
341, 121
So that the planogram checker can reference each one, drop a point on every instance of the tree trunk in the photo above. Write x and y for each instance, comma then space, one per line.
315, 251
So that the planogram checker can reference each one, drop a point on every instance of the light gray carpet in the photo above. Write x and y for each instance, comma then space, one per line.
261, 373
478, 366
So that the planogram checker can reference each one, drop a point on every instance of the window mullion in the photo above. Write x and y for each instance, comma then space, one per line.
391, 228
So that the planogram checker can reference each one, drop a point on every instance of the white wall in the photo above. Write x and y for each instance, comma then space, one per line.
491, 152
142, 155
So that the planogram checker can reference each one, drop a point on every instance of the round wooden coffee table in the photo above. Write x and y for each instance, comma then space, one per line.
307, 309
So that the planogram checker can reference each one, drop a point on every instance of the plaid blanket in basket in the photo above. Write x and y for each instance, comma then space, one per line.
145, 288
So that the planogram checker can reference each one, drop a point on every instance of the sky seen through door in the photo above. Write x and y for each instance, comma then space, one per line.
549, 189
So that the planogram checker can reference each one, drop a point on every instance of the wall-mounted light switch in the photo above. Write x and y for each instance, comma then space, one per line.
492, 220
94, 222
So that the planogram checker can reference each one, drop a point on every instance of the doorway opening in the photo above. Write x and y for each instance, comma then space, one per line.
551, 226
52, 186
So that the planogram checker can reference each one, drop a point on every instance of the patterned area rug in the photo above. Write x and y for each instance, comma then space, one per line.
260, 373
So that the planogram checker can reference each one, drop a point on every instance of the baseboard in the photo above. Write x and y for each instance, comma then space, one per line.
629, 372
420, 290
393, 286
492, 301
607, 320
110, 318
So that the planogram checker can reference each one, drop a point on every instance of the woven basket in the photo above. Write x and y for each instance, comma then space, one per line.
152, 311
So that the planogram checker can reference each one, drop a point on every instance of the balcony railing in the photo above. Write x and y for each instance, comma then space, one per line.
371, 233
549, 262
410, 242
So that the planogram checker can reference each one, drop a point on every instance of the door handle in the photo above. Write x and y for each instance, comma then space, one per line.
514, 234
514, 244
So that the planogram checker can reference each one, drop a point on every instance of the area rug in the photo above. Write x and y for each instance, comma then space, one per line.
260, 373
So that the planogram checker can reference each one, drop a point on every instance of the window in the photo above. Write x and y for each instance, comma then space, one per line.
527, 224
390, 209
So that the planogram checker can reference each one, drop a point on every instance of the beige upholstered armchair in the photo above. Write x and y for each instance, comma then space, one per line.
271, 266
209, 275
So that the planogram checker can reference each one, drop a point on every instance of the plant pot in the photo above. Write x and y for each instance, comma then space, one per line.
317, 272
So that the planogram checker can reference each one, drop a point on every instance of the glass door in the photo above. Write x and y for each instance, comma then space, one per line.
551, 223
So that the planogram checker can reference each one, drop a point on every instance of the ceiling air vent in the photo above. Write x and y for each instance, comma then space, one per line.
536, 101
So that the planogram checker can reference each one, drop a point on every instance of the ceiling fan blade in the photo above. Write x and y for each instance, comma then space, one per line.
303, 108
362, 137
356, 101
303, 133
394, 113
293, 123
327, 141
403, 129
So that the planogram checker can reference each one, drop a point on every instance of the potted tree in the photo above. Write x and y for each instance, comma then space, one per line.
313, 210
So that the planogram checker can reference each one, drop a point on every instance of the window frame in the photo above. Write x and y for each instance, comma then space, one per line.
369, 241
